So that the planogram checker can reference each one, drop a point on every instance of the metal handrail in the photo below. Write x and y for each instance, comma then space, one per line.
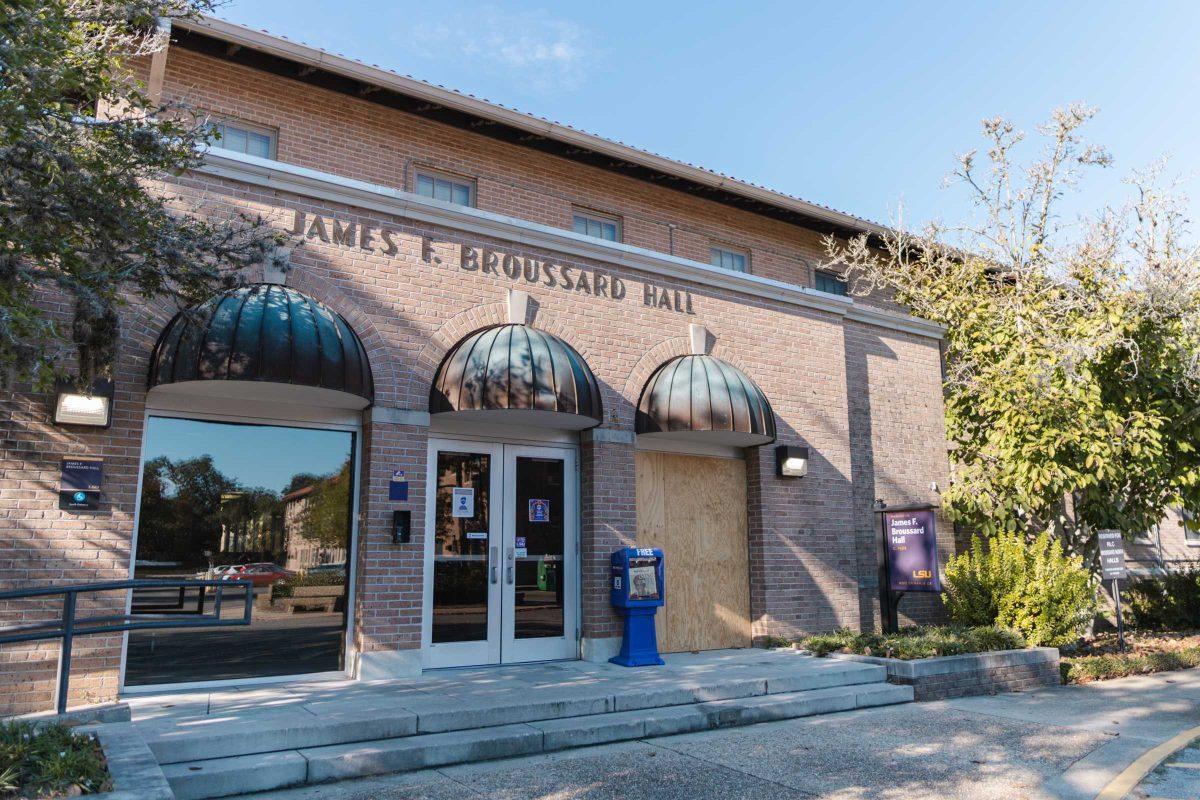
68, 627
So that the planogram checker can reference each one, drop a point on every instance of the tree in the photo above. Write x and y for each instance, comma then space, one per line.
1072, 352
182, 508
83, 224
327, 514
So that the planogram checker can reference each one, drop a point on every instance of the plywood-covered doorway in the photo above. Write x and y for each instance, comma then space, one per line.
694, 508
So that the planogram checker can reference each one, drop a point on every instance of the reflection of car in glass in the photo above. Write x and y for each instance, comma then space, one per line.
327, 569
258, 574
214, 573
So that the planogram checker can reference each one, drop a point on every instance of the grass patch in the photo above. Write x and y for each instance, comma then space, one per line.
918, 642
1101, 659
49, 762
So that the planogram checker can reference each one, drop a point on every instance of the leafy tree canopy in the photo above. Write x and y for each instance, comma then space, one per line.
84, 221
1072, 348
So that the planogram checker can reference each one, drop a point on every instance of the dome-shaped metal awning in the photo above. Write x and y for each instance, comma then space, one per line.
263, 341
703, 398
517, 375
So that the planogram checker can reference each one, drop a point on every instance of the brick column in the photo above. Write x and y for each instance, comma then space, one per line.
608, 492
390, 577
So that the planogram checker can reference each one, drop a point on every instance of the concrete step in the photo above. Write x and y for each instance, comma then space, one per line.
208, 737
224, 777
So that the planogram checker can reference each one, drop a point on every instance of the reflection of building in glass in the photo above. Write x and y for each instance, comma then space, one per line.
308, 543
247, 529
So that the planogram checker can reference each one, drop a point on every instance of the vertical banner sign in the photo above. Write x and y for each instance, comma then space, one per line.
912, 551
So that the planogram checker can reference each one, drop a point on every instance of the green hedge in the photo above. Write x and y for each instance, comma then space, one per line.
1165, 603
284, 587
917, 642
49, 761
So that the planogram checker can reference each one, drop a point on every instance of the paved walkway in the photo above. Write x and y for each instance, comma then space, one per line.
476, 688
1068, 742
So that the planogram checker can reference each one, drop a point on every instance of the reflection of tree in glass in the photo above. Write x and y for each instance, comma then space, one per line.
188, 504
326, 515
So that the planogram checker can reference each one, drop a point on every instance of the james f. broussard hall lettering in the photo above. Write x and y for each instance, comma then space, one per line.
387, 242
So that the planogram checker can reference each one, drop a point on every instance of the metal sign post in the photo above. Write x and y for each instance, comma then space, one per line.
1112, 567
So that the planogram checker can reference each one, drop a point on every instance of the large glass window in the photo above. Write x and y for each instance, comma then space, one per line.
264, 503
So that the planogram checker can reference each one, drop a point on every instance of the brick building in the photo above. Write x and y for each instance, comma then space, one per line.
524, 346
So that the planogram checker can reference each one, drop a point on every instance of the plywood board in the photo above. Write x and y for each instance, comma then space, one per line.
694, 508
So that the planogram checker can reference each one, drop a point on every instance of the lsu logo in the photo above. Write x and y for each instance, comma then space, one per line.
922, 573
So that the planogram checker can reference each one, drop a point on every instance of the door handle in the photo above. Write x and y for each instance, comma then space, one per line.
511, 558
495, 567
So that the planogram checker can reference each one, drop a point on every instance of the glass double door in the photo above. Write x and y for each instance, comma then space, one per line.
501, 568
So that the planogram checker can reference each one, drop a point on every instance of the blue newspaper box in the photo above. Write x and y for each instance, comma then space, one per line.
637, 592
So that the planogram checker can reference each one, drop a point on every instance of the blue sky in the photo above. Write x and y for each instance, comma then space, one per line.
856, 105
255, 456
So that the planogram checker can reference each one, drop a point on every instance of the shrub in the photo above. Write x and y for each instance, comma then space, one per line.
919, 642
1032, 587
285, 587
1119, 665
1167, 602
49, 761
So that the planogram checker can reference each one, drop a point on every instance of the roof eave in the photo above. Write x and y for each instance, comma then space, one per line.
310, 56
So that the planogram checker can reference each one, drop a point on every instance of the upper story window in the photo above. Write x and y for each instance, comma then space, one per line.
449, 188
242, 137
831, 283
733, 260
602, 226
1191, 527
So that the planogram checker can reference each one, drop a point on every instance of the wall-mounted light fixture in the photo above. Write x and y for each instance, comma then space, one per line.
89, 409
791, 462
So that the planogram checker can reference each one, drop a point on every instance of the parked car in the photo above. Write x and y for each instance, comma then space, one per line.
258, 574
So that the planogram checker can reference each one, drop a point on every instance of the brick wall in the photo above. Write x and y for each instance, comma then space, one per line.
41, 545
1166, 548
354, 137
865, 401
897, 435
974, 674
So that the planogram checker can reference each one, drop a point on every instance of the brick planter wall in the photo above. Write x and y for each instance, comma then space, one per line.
973, 674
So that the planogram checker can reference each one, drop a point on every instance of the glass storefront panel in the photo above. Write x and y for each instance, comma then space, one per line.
266, 503
538, 600
461, 540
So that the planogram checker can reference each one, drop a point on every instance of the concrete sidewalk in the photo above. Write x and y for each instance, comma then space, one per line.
1067, 742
